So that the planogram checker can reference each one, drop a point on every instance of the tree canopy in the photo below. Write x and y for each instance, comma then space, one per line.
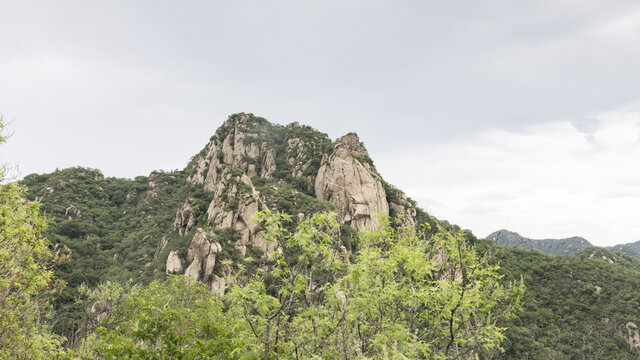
403, 295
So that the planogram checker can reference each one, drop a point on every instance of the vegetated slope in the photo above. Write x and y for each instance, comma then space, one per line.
548, 246
111, 227
582, 306
630, 249
191, 221
565, 246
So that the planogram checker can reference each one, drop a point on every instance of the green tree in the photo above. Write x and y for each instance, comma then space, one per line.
405, 295
172, 319
26, 279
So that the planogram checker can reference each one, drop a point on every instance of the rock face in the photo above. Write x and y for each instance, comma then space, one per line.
202, 256
72, 212
289, 164
185, 218
174, 264
402, 207
633, 336
234, 205
237, 143
351, 183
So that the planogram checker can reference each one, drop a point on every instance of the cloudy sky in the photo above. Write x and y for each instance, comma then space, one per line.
491, 114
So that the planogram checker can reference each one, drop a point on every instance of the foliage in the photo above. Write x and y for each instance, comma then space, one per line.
172, 319
566, 246
575, 307
26, 281
111, 227
405, 295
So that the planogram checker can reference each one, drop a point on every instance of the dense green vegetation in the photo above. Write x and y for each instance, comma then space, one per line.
109, 227
566, 246
575, 307
405, 295
26, 281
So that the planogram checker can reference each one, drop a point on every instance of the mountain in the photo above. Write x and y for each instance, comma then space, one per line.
581, 306
194, 220
199, 222
630, 249
566, 246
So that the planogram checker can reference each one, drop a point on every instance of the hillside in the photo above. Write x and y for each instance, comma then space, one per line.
144, 228
630, 249
582, 306
565, 246
199, 222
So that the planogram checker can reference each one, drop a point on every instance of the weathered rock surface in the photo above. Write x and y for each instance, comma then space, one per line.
202, 256
234, 205
185, 218
236, 143
401, 206
217, 285
72, 212
174, 264
268, 164
633, 336
350, 182
161, 245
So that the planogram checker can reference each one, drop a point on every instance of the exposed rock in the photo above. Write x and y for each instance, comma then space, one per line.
174, 264
633, 336
267, 248
296, 157
269, 164
72, 212
606, 258
401, 206
235, 204
100, 310
217, 285
353, 187
202, 256
163, 244
185, 217
598, 289
235, 144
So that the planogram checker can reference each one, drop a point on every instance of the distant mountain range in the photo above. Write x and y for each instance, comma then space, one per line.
566, 246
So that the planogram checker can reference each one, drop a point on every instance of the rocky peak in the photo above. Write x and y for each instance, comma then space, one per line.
239, 142
351, 142
349, 181
297, 158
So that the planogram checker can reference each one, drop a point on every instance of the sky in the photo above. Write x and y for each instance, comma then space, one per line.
522, 115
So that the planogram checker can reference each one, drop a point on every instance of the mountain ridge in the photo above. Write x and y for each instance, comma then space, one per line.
563, 246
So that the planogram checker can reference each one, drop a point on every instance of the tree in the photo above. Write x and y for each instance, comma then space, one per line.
405, 295
26, 279
173, 319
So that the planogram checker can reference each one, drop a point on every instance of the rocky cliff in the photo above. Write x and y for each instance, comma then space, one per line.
348, 179
251, 164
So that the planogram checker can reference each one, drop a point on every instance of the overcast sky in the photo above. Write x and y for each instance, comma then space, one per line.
491, 114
